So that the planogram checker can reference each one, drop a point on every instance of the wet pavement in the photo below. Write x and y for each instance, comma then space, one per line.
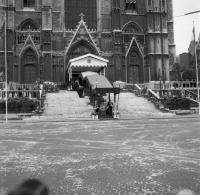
135, 155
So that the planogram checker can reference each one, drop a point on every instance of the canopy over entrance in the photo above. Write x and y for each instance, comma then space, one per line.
88, 62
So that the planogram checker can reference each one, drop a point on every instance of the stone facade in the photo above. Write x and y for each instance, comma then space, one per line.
136, 36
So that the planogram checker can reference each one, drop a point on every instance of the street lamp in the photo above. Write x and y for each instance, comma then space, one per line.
5, 60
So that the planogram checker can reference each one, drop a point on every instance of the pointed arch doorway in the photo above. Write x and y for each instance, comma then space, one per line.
29, 66
134, 63
81, 48
77, 49
134, 67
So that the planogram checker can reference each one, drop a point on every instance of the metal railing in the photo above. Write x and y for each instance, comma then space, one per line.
191, 95
17, 90
159, 85
21, 93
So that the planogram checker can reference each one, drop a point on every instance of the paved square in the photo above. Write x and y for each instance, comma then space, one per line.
143, 156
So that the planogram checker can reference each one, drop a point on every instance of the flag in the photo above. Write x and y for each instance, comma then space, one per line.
192, 46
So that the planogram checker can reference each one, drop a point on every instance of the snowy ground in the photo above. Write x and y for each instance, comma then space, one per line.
141, 156
135, 155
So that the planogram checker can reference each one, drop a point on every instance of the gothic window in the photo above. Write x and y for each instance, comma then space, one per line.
117, 38
73, 9
149, 5
156, 5
164, 23
131, 28
150, 22
163, 5
28, 25
130, 5
134, 58
29, 3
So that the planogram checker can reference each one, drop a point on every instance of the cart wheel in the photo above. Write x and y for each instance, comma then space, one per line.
93, 116
117, 115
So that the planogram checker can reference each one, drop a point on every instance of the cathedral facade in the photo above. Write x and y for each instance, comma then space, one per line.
136, 36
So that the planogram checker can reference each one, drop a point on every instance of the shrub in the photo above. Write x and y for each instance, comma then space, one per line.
176, 103
50, 87
19, 105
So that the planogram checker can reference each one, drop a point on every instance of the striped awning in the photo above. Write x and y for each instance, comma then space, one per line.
88, 62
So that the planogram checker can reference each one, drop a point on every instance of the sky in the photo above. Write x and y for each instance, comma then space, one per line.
183, 25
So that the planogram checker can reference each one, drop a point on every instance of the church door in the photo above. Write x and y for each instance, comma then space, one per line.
29, 73
79, 49
29, 68
134, 68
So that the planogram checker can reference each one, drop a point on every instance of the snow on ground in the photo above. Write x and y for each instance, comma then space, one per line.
159, 156
145, 153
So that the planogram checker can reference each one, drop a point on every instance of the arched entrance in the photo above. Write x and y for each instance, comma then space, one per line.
135, 67
77, 49
29, 66
81, 48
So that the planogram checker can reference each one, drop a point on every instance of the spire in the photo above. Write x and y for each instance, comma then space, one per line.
82, 16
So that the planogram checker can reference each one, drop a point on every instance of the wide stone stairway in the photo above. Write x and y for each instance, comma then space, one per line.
131, 107
67, 105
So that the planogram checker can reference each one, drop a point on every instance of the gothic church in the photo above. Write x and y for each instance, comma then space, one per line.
136, 36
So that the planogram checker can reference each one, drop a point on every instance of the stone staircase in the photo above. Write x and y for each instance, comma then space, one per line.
65, 105
132, 107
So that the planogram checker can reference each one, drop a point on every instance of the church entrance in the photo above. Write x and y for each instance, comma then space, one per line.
85, 65
29, 68
30, 75
78, 49
135, 67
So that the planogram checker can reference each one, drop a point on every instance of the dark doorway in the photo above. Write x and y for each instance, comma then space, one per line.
29, 73
135, 67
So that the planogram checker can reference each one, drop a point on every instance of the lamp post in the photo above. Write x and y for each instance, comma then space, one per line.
6, 63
